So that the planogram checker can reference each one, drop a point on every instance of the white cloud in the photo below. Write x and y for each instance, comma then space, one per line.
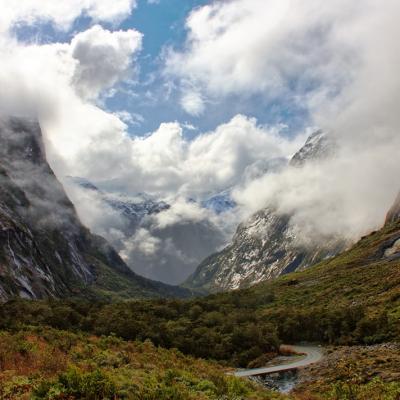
166, 163
142, 242
56, 84
84, 140
181, 211
272, 47
339, 60
350, 194
345, 196
130, 118
95, 213
62, 13
103, 58
192, 103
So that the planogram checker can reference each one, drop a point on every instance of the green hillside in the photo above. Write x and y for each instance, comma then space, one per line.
353, 299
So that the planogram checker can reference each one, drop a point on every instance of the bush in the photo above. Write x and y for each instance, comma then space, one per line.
77, 385
376, 389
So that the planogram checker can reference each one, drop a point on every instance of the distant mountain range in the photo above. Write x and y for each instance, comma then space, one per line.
179, 247
134, 209
45, 251
220, 202
266, 246
176, 249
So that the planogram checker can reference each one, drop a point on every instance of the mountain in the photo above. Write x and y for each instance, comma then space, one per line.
267, 245
349, 304
263, 248
394, 212
219, 203
132, 209
45, 251
135, 227
318, 146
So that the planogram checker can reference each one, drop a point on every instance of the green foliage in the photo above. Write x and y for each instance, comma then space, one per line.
95, 368
222, 331
351, 299
376, 389
78, 385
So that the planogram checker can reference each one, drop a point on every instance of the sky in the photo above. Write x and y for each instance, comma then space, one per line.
163, 27
183, 100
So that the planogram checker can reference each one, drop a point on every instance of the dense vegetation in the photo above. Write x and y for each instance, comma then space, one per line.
48, 364
351, 299
209, 328
51, 364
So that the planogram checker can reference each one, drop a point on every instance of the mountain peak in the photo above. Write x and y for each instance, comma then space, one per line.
266, 245
318, 146
394, 213
21, 140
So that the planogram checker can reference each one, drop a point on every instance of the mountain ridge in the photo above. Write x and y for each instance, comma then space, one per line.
267, 245
45, 251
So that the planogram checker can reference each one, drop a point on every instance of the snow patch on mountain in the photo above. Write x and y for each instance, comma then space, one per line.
268, 244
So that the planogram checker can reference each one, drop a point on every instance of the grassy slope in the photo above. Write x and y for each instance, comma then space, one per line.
352, 299
42, 363
113, 285
361, 276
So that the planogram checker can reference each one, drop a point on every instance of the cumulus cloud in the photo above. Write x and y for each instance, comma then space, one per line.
95, 213
333, 197
166, 244
169, 244
192, 103
181, 211
166, 163
57, 83
103, 58
266, 46
62, 14
142, 242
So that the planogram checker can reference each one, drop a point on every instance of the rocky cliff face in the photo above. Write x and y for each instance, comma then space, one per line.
44, 249
267, 245
318, 146
394, 213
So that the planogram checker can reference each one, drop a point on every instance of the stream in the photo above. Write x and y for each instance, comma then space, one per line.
282, 382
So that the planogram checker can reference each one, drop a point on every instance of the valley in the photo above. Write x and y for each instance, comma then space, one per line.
100, 319
199, 200
240, 327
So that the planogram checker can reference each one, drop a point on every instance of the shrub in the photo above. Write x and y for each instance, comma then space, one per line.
77, 385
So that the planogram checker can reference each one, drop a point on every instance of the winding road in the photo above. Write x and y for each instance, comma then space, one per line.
312, 354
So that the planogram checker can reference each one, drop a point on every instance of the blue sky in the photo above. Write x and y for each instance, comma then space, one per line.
163, 25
